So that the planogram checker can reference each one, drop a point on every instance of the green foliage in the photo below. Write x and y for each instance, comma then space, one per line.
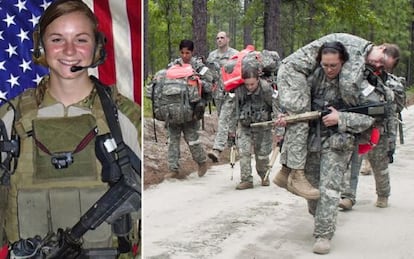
378, 21
147, 107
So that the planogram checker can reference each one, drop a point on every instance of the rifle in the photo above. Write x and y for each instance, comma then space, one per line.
231, 142
275, 153
375, 109
233, 153
400, 128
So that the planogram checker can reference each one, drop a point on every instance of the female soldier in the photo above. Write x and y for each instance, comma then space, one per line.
330, 142
58, 176
255, 104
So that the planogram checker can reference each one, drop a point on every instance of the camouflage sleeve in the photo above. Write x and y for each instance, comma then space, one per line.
397, 85
354, 122
207, 79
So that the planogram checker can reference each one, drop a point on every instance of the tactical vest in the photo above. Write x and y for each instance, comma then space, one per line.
58, 176
254, 107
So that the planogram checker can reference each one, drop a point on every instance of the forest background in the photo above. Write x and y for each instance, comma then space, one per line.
281, 25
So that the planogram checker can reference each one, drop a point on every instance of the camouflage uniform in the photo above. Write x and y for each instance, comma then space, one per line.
62, 190
224, 101
220, 58
189, 129
328, 157
382, 154
295, 98
254, 107
227, 123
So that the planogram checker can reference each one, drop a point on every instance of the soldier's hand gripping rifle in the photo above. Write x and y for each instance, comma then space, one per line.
376, 109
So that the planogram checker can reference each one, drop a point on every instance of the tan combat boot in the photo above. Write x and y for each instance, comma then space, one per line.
281, 179
366, 167
299, 185
202, 169
171, 174
244, 185
382, 202
214, 155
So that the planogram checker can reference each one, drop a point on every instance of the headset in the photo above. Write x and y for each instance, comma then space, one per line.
39, 52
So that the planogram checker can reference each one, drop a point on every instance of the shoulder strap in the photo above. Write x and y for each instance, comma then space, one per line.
27, 108
126, 157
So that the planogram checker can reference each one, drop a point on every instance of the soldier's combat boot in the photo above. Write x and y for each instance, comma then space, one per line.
382, 202
322, 246
172, 174
299, 185
244, 185
366, 167
214, 155
265, 181
345, 204
281, 179
202, 169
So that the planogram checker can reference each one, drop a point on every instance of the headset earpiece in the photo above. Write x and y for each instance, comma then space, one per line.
100, 52
38, 51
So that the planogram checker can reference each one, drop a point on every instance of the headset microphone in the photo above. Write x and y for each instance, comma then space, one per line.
74, 69
101, 60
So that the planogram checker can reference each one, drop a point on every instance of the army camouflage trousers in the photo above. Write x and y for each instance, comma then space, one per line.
227, 122
379, 162
190, 132
261, 142
325, 170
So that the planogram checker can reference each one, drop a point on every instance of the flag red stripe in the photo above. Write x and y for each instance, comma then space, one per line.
134, 17
107, 72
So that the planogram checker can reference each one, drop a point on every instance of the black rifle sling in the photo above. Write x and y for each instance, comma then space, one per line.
111, 115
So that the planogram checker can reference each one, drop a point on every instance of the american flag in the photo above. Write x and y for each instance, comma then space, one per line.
119, 20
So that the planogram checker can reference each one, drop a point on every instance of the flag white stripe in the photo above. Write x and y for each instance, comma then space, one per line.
92, 71
122, 47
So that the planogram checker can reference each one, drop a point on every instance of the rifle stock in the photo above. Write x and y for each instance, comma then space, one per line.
376, 109
306, 116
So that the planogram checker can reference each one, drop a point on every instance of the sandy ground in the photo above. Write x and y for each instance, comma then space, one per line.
207, 218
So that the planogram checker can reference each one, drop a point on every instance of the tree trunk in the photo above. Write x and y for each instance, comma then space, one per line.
200, 27
169, 22
232, 30
311, 34
247, 28
411, 55
271, 24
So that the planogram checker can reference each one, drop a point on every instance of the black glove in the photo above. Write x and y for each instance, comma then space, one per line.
66, 247
27, 247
